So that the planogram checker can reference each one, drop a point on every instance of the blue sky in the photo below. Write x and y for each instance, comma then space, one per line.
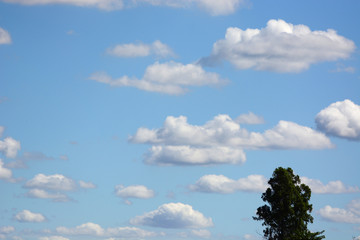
164, 119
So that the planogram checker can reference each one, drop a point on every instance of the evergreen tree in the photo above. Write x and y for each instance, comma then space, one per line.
288, 211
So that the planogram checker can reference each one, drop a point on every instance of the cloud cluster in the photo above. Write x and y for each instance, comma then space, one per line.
4, 36
215, 8
132, 50
54, 187
340, 119
279, 47
225, 185
220, 140
169, 78
95, 230
28, 216
349, 215
173, 215
134, 191
9, 146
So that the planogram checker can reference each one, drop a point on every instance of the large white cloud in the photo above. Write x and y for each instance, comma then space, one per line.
134, 191
54, 187
28, 216
131, 50
349, 215
173, 215
280, 47
340, 119
222, 184
169, 78
4, 36
258, 183
102, 4
95, 230
220, 140
333, 187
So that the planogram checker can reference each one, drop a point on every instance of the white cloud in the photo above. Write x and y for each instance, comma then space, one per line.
134, 191
131, 50
339, 215
27, 216
186, 155
340, 119
54, 186
249, 118
83, 184
220, 140
280, 47
5, 173
169, 78
202, 233
9, 147
102, 4
1, 130
93, 229
4, 36
53, 238
354, 206
333, 187
222, 184
55, 182
7, 229
173, 215
250, 237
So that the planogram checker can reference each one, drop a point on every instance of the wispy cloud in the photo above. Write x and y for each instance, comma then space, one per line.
5, 37
279, 47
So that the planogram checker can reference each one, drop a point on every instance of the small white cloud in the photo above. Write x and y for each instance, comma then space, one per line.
279, 47
249, 118
4, 36
340, 119
250, 237
173, 215
55, 182
186, 155
132, 50
102, 4
130, 232
89, 228
343, 68
9, 147
54, 238
40, 193
27, 216
6, 229
333, 187
5, 173
134, 191
88, 185
202, 233
170, 78
224, 185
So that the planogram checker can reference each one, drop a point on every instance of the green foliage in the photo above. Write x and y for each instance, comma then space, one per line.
288, 211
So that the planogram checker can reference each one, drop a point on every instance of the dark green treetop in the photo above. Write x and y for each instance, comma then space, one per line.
288, 211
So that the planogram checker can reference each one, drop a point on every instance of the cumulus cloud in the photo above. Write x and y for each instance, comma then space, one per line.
134, 191
28, 216
349, 215
9, 147
93, 229
279, 47
250, 118
340, 119
53, 187
173, 215
170, 78
132, 50
4, 36
220, 140
102, 4
333, 187
225, 185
